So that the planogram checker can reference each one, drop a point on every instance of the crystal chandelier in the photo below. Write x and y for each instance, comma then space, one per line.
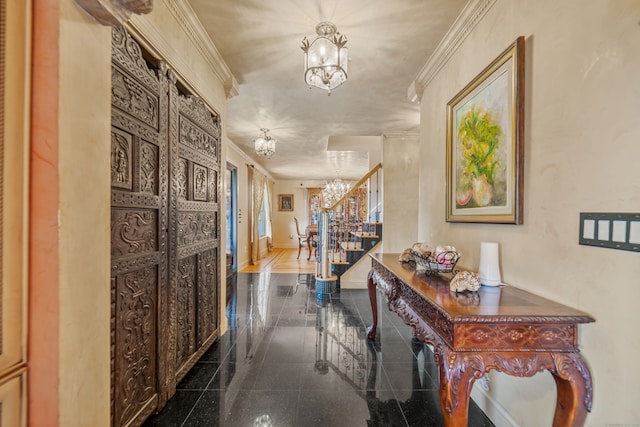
334, 191
325, 58
265, 146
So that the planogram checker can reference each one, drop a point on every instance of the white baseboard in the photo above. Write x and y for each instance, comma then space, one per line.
492, 408
353, 284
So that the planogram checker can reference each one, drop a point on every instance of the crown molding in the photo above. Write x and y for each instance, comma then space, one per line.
114, 13
192, 27
399, 134
248, 159
232, 145
472, 13
189, 21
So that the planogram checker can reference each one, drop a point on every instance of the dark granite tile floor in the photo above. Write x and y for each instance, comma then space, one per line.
292, 357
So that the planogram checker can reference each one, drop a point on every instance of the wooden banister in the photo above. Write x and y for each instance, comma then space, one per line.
354, 188
345, 224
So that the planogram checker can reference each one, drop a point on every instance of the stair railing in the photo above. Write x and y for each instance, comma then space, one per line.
344, 222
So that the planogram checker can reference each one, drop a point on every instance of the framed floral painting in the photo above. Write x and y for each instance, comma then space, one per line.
485, 127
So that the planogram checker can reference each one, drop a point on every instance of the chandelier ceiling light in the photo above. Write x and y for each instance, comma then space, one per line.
265, 146
325, 58
334, 191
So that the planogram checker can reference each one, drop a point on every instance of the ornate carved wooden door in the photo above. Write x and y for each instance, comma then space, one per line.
165, 232
139, 191
195, 226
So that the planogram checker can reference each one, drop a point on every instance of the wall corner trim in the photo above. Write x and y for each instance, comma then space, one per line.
472, 13
400, 135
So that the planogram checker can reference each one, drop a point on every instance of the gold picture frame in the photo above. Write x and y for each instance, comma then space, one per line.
285, 202
485, 144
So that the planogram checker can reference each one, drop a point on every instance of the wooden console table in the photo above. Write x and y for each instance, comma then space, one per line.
502, 328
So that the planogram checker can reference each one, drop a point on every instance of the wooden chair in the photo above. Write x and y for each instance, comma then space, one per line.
304, 240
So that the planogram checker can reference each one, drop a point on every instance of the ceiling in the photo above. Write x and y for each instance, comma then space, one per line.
388, 41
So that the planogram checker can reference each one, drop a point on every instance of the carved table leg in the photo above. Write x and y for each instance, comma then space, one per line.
573, 383
456, 380
373, 300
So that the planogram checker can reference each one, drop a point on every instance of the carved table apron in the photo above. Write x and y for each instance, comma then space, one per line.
502, 328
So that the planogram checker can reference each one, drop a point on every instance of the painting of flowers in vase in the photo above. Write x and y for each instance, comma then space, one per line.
484, 144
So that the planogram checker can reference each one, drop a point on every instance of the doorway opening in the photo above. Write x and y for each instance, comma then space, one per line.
231, 195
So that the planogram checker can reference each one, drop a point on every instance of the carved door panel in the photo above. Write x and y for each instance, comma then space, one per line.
195, 226
139, 190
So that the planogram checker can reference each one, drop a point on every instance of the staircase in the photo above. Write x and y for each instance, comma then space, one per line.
349, 228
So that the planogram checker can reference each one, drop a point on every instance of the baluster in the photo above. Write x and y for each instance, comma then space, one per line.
348, 235
369, 200
345, 225
336, 249
326, 266
377, 193
356, 217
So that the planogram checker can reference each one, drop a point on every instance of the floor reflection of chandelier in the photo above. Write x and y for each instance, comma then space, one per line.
334, 191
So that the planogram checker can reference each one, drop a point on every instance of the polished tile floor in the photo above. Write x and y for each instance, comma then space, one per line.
292, 357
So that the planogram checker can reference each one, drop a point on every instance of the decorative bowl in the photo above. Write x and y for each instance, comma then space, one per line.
442, 262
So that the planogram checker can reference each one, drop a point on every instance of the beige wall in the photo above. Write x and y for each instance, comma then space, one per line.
84, 212
581, 155
283, 226
401, 168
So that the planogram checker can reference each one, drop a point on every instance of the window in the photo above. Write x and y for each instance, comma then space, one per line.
263, 217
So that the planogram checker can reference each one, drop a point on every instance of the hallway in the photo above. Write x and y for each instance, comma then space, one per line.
283, 261
292, 358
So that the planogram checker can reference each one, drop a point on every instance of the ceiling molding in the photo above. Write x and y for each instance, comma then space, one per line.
113, 13
231, 87
192, 27
230, 144
249, 161
189, 21
400, 135
472, 13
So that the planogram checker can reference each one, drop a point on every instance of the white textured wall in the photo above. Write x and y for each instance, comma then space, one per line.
283, 225
84, 218
582, 129
400, 165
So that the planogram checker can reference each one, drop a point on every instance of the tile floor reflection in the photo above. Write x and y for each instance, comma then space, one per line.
292, 357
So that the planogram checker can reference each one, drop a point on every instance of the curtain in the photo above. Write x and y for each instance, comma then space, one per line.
269, 196
257, 190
